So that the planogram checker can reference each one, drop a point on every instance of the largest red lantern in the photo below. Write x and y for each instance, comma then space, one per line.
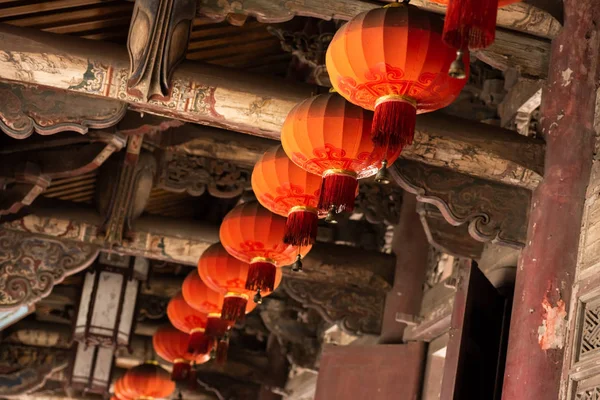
392, 60
330, 137
223, 273
172, 346
190, 321
288, 190
148, 381
254, 235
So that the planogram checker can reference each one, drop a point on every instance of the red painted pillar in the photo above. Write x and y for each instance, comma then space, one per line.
548, 262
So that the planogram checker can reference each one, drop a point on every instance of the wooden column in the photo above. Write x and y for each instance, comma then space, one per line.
547, 265
410, 244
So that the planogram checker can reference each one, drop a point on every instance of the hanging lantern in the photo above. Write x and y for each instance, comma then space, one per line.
254, 235
287, 190
190, 321
221, 272
121, 392
92, 368
172, 346
470, 24
392, 60
327, 136
148, 381
108, 298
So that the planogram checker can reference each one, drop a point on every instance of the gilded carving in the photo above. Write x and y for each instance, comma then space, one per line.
355, 311
31, 265
195, 175
158, 38
493, 211
28, 109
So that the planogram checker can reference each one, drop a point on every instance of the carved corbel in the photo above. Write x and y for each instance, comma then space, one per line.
25, 109
158, 38
355, 311
492, 211
380, 204
31, 265
194, 174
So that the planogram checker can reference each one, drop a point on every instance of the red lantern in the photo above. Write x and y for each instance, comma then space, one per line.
471, 24
172, 346
190, 321
287, 190
226, 274
326, 135
392, 60
148, 381
120, 391
254, 235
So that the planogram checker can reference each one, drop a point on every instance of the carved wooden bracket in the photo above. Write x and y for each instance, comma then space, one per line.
26, 174
356, 312
31, 265
158, 38
493, 211
379, 203
25, 109
194, 174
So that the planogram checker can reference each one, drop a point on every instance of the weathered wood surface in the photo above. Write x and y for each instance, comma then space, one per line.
183, 242
251, 104
538, 18
547, 266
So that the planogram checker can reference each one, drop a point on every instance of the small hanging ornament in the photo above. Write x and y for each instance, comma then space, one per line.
148, 381
226, 274
469, 25
190, 321
172, 346
392, 60
287, 190
254, 235
328, 136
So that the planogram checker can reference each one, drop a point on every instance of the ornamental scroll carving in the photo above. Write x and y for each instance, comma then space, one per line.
31, 265
355, 311
25, 109
493, 211
158, 39
195, 175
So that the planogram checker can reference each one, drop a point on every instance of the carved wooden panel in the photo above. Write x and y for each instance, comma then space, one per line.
355, 311
194, 175
589, 394
590, 330
25, 109
158, 39
31, 265
493, 211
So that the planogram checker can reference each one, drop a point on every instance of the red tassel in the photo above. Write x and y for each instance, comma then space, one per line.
261, 276
199, 342
216, 326
393, 124
470, 23
222, 349
234, 306
181, 370
301, 227
192, 381
338, 190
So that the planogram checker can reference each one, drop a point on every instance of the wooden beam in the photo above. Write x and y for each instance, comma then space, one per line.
538, 18
252, 104
183, 242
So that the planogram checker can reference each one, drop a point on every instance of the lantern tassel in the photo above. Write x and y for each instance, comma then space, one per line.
222, 349
301, 227
192, 380
470, 23
338, 191
261, 276
393, 124
234, 307
181, 370
216, 326
199, 342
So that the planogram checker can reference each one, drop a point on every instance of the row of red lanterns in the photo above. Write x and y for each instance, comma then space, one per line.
392, 61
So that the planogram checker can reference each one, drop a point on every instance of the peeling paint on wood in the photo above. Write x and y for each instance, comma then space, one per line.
551, 334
